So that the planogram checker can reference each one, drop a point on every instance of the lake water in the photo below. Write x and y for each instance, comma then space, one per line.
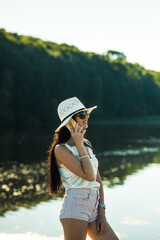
129, 163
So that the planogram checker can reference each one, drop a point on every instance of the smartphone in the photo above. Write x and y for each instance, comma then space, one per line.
73, 122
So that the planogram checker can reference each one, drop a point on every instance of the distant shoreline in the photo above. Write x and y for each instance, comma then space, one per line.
135, 121
151, 120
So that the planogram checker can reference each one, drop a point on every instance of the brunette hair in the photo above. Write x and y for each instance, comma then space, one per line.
54, 179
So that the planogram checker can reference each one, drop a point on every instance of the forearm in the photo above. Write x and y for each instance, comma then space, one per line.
101, 200
86, 163
101, 193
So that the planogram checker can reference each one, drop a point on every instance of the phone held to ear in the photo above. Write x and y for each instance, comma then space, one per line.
72, 122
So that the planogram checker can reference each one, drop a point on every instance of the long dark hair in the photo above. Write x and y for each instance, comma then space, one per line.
54, 179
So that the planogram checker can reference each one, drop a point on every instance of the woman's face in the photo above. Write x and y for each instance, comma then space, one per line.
82, 122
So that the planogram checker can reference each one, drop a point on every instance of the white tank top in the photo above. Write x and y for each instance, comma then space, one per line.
70, 180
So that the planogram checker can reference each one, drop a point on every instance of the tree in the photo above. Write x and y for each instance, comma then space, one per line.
115, 55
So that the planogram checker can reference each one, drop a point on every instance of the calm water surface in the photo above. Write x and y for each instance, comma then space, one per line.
129, 163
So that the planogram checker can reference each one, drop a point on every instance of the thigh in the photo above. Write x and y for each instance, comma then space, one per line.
74, 228
108, 235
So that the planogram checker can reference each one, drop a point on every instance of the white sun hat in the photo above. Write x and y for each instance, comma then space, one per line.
68, 108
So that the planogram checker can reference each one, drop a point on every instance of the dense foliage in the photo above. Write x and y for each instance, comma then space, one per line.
36, 75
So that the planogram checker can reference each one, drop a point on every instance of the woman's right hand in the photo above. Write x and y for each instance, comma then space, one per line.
77, 134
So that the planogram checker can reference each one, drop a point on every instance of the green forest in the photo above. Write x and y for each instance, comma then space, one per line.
36, 75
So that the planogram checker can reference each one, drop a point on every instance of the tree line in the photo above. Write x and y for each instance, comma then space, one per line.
36, 75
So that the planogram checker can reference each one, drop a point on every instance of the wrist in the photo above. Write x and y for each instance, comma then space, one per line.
80, 145
101, 206
84, 156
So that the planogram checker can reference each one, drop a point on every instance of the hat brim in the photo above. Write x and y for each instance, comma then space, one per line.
67, 119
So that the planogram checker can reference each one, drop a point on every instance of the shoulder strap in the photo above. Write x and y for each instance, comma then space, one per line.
65, 144
69, 147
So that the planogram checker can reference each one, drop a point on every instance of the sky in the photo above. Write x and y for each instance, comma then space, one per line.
128, 26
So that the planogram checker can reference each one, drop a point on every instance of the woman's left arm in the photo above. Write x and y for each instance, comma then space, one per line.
101, 219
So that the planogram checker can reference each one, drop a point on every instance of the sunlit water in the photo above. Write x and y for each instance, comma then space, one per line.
131, 176
133, 210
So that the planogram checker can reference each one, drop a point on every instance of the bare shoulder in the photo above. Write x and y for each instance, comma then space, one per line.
87, 141
61, 154
59, 149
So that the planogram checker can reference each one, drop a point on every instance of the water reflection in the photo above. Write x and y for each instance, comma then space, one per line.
121, 151
125, 152
106, 138
115, 168
22, 185
133, 221
25, 184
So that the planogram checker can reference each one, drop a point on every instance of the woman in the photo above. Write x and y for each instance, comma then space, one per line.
73, 163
